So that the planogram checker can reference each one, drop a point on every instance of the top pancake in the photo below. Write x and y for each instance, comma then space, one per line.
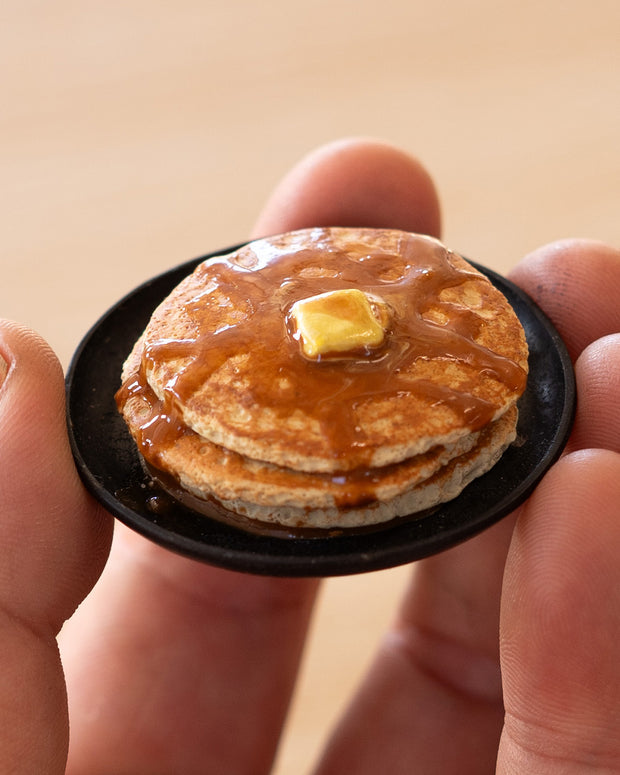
221, 351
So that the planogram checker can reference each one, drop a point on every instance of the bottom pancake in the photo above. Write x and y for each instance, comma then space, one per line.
273, 495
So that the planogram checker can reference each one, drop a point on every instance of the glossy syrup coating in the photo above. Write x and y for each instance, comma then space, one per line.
219, 392
220, 352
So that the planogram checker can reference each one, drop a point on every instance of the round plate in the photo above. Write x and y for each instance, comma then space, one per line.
109, 464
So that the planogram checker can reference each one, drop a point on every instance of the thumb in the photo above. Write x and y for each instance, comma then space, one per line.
561, 623
54, 543
54, 539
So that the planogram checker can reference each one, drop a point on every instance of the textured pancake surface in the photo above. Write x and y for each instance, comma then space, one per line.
299, 499
218, 392
218, 347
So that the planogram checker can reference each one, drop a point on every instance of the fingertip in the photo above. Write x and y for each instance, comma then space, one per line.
55, 538
577, 498
31, 401
354, 182
577, 284
559, 631
17, 340
597, 372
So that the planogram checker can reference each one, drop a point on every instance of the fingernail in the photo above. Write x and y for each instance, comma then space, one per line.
4, 369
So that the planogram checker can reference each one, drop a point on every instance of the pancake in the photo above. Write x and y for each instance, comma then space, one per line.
272, 495
221, 393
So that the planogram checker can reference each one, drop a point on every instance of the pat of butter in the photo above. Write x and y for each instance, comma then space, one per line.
338, 321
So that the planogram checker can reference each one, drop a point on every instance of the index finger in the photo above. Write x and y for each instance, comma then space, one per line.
577, 284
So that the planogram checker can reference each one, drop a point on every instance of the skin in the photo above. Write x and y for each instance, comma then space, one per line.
501, 658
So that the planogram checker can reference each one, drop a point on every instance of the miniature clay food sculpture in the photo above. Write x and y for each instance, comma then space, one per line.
326, 379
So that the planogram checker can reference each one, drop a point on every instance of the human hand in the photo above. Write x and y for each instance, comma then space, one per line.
54, 541
173, 666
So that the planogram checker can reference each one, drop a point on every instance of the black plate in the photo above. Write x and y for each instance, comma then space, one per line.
110, 466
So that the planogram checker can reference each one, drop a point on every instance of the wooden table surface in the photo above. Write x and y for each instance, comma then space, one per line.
137, 135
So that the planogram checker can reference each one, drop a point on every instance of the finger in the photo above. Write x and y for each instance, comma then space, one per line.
577, 283
354, 182
597, 372
440, 663
191, 659
54, 544
561, 624
432, 697
47, 517
173, 666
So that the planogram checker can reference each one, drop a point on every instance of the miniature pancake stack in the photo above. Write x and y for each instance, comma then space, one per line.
327, 378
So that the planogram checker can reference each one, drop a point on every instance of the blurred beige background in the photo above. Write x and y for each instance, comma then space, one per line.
135, 135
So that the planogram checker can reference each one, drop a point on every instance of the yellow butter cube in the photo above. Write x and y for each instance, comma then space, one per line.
338, 322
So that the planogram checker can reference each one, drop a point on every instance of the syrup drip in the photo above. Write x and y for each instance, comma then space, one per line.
244, 308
